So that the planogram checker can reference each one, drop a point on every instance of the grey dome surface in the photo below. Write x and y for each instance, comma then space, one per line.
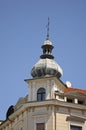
47, 42
46, 67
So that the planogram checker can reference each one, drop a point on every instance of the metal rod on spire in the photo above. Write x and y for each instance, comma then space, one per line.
48, 28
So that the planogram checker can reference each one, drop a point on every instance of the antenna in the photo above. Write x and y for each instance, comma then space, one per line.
48, 28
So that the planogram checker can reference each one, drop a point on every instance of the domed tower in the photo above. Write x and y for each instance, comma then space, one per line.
46, 66
46, 75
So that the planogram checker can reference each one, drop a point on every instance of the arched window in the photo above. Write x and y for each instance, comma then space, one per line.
41, 94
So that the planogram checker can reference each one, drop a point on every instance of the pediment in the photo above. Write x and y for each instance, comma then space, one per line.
76, 118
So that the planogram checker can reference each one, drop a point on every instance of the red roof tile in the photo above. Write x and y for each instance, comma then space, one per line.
66, 90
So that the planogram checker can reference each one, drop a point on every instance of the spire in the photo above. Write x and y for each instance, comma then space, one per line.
47, 46
48, 25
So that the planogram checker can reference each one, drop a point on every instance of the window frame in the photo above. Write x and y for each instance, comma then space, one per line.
41, 93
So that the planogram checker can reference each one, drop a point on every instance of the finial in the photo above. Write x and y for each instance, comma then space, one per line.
48, 28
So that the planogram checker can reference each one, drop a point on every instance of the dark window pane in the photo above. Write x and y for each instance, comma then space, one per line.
69, 100
75, 127
38, 97
40, 126
80, 102
41, 94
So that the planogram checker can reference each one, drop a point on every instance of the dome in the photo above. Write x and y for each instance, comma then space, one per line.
46, 65
47, 42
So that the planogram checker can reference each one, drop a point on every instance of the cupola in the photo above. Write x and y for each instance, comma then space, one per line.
46, 66
47, 50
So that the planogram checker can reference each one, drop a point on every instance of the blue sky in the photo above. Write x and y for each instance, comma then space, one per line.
23, 31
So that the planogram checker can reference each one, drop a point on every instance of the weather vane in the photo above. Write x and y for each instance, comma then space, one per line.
48, 28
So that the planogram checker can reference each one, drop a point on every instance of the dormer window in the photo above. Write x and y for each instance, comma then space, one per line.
41, 94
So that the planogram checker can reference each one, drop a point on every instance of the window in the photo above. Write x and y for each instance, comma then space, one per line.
40, 126
69, 100
41, 94
61, 97
80, 102
72, 127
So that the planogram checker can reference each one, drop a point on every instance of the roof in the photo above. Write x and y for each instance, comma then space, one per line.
66, 90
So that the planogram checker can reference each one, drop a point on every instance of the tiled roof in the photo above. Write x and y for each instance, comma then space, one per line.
66, 90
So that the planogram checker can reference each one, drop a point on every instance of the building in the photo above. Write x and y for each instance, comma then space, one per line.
1, 121
50, 104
